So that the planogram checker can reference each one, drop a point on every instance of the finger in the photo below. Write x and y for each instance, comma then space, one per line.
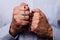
24, 7
36, 16
26, 18
37, 13
21, 17
27, 12
42, 15
17, 11
21, 22
33, 28
36, 10
24, 22
24, 4
24, 12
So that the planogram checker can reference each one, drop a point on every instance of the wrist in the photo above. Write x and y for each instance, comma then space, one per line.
13, 32
50, 31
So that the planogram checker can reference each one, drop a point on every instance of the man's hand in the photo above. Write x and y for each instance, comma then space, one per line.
20, 18
21, 14
40, 25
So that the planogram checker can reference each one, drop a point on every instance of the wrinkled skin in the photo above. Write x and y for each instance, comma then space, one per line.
34, 21
40, 25
19, 20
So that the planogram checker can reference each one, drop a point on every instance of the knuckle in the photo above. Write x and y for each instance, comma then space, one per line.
14, 17
15, 8
24, 22
36, 10
27, 17
23, 4
26, 8
27, 12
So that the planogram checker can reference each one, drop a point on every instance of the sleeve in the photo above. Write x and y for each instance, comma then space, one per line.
56, 26
4, 33
56, 33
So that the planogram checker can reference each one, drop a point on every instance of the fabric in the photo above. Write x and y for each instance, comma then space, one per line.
29, 36
51, 8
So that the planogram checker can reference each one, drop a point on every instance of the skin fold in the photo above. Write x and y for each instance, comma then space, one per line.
24, 21
40, 25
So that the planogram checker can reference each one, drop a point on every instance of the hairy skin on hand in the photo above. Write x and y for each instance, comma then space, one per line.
20, 21
17, 29
37, 23
40, 25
